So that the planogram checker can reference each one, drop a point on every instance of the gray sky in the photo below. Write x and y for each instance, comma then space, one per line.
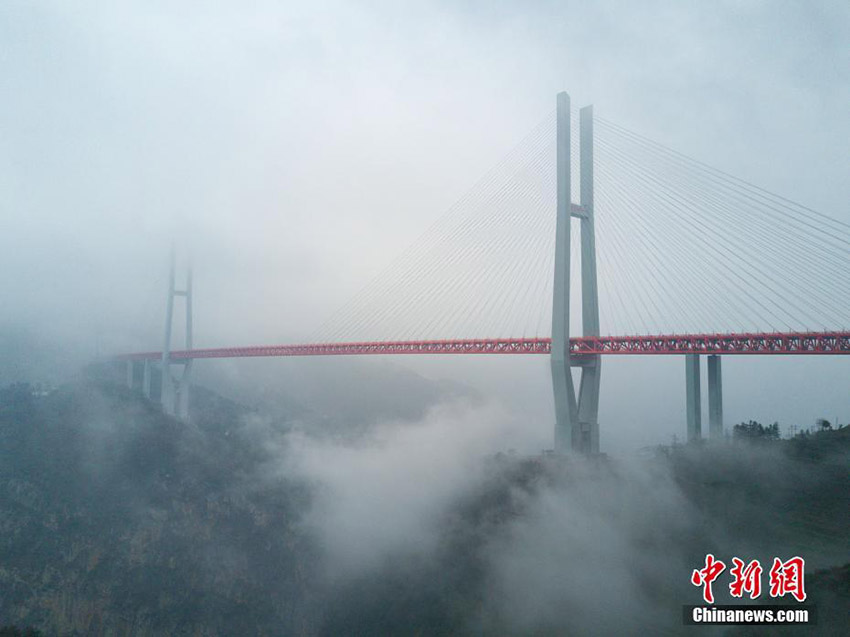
296, 149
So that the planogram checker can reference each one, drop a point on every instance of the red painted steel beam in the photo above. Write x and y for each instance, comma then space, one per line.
756, 343
467, 346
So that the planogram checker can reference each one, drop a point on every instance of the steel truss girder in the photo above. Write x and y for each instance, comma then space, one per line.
755, 343
759, 343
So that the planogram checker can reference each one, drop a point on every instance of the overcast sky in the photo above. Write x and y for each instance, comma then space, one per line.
296, 148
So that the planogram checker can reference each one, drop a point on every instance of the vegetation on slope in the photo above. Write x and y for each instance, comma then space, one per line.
116, 519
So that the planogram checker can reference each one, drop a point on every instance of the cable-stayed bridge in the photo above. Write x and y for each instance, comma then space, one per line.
648, 250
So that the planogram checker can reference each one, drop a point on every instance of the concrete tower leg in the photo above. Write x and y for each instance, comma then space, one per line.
186, 378
167, 393
566, 410
591, 370
130, 374
715, 398
692, 397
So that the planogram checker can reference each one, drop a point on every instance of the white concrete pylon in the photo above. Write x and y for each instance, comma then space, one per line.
591, 370
576, 421
175, 394
566, 409
186, 378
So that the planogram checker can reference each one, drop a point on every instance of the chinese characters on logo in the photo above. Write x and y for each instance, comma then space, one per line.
704, 577
785, 578
747, 578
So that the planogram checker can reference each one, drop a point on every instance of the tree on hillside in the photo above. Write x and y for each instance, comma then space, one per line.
755, 431
823, 424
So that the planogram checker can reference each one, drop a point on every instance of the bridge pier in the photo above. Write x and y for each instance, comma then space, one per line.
715, 398
692, 397
146, 379
130, 374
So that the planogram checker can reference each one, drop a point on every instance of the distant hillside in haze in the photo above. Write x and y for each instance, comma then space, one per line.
342, 396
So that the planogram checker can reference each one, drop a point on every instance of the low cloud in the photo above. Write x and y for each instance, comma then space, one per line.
387, 494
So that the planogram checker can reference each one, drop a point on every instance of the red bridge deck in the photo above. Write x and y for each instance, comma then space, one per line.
818, 343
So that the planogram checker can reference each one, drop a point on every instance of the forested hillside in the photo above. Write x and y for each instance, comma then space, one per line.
118, 520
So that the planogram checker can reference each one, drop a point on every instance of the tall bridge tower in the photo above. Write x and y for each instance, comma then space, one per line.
576, 418
175, 391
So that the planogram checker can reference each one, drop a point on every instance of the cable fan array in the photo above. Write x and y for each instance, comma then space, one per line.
688, 248
681, 248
